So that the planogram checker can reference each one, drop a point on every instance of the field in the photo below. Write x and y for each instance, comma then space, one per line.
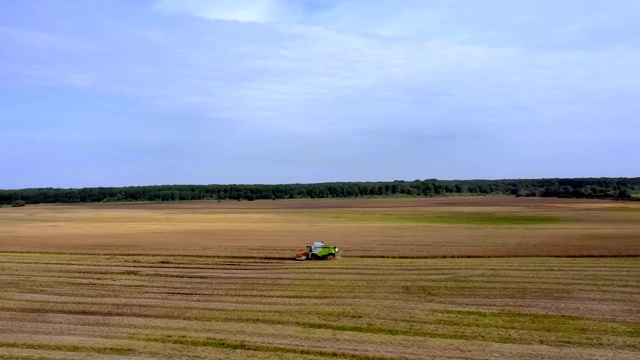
469, 277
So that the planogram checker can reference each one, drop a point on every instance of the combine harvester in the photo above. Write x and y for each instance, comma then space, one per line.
318, 251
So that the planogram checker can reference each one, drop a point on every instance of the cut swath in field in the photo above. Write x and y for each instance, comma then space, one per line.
195, 307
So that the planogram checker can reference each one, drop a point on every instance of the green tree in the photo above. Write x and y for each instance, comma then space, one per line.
18, 203
623, 194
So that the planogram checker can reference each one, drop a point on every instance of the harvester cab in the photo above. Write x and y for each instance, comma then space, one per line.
318, 251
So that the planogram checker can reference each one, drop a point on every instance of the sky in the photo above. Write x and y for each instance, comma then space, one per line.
144, 92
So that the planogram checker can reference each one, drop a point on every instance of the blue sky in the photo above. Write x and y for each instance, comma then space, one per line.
118, 92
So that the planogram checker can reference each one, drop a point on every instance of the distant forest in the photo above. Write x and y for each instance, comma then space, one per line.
593, 188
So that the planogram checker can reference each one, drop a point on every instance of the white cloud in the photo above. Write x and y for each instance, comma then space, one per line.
314, 80
374, 17
259, 11
317, 80
543, 24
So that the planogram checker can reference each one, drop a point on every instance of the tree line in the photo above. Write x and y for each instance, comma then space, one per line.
595, 188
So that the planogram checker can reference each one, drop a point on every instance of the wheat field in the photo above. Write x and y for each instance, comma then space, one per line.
459, 278
414, 227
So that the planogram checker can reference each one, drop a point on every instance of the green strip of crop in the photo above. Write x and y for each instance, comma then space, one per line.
243, 345
111, 350
551, 323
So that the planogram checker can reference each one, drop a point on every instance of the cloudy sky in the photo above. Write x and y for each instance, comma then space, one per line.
123, 92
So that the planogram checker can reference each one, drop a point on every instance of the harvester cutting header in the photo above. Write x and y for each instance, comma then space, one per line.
318, 251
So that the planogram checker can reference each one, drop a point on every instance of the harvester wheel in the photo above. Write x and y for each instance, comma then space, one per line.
314, 256
330, 257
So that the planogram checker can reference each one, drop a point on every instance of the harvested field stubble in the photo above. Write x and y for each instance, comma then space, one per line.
74, 306
207, 280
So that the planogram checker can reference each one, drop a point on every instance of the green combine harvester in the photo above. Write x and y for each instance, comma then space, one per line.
318, 251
